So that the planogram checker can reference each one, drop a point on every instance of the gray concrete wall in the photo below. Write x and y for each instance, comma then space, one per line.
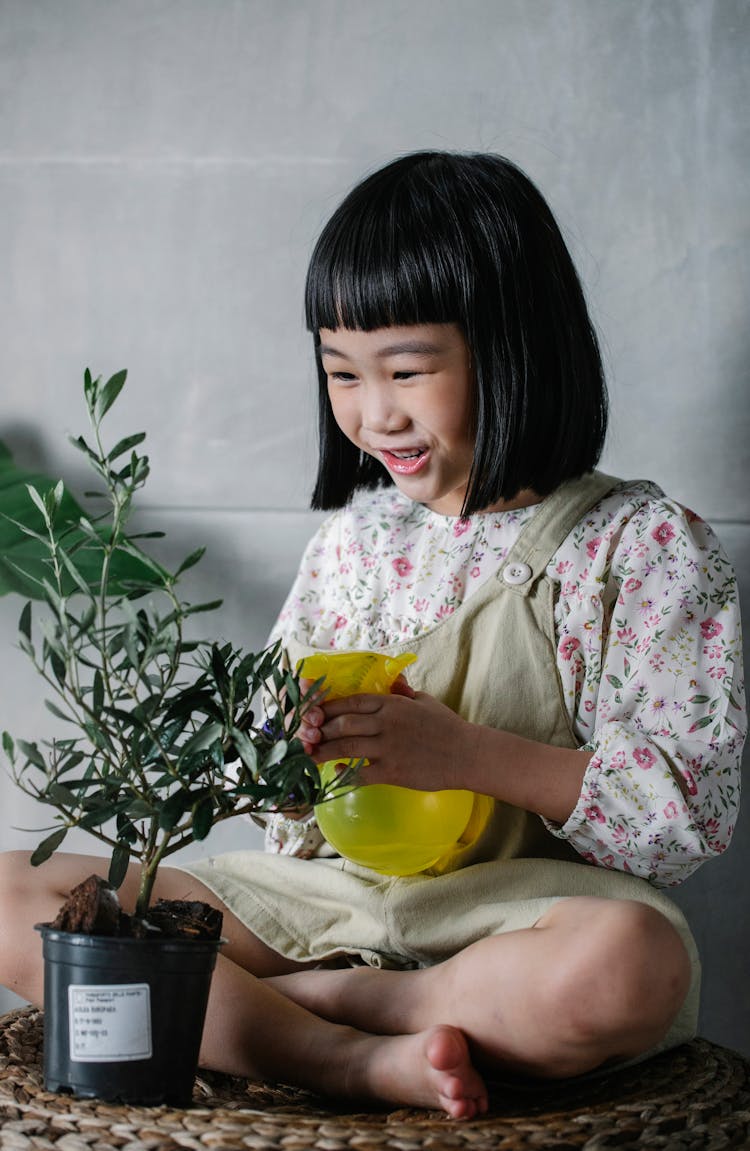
165, 166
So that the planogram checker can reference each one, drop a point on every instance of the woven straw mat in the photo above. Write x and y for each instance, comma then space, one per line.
697, 1096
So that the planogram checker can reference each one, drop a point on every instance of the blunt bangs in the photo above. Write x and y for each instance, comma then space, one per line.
387, 258
440, 237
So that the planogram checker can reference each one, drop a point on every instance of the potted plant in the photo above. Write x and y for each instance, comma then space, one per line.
151, 719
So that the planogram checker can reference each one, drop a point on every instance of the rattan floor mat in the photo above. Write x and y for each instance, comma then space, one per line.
696, 1097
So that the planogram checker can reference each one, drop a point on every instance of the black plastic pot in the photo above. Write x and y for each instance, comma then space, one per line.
123, 1018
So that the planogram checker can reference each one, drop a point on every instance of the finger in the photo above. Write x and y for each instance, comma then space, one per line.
313, 717
309, 734
401, 686
353, 705
351, 726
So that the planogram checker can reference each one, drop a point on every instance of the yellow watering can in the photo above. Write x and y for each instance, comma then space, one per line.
393, 830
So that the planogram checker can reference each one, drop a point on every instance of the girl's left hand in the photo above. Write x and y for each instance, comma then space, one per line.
409, 738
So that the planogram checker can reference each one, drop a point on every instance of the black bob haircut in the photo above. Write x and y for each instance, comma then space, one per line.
442, 237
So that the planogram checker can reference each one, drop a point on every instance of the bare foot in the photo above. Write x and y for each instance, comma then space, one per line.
430, 1069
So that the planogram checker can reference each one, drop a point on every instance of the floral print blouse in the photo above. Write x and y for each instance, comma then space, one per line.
653, 685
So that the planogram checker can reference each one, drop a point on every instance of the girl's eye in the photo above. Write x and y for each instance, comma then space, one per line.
404, 375
342, 377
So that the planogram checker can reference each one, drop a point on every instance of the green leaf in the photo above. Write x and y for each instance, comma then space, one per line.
203, 816
173, 809
245, 749
58, 667
97, 816
139, 809
165, 739
70, 762
292, 688
109, 393
40, 502
118, 867
276, 754
27, 647
202, 739
191, 560
211, 605
58, 714
87, 618
89, 386
79, 443
48, 846
8, 746
98, 693
614, 680
24, 623
131, 649
699, 723
98, 736
61, 795
32, 753
125, 445
219, 669
74, 573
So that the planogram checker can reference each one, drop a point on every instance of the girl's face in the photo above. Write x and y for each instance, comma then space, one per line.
404, 395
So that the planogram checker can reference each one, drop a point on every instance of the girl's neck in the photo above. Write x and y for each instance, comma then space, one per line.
524, 499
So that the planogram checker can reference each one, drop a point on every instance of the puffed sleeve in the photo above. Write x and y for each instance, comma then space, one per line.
650, 656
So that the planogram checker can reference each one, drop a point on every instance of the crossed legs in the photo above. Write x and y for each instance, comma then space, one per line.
593, 980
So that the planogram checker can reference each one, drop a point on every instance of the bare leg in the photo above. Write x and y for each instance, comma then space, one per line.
254, 1031
251, 1028
593, 980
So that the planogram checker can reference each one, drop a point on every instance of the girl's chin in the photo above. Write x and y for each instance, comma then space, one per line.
448, 504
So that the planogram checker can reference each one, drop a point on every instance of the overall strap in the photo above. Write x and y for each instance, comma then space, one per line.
555, 519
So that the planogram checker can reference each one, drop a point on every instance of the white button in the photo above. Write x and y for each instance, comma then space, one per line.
516, 573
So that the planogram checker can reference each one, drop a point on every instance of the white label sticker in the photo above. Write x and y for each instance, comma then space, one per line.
109, 1022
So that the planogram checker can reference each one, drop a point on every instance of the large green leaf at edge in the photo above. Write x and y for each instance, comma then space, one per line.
22, 557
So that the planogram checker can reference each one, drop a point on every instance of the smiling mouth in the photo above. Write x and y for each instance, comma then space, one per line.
405, 462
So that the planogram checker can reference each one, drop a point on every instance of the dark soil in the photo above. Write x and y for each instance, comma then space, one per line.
92, 908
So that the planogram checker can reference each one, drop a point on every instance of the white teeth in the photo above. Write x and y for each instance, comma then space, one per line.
407, 455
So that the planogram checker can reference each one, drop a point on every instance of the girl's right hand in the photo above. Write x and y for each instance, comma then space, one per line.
309, 729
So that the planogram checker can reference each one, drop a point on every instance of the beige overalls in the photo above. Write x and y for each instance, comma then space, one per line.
493, 662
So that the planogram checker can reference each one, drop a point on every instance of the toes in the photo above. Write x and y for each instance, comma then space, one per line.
462, 1093
460, 1108
447, 1049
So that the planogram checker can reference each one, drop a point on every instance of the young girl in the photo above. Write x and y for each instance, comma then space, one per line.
579, 663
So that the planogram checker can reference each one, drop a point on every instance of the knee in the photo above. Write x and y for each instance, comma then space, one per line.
622, 982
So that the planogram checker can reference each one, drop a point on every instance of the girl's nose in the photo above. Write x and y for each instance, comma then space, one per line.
381, 411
